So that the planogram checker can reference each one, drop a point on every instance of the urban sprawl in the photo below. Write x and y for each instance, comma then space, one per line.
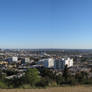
60, 63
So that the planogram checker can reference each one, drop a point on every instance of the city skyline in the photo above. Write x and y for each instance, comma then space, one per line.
46, 24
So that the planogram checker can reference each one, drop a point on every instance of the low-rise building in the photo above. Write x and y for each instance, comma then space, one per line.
25, 60
12, 59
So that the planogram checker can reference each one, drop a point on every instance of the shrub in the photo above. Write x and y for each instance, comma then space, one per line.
2, 85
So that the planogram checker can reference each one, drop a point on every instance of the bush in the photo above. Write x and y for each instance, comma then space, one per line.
2, 85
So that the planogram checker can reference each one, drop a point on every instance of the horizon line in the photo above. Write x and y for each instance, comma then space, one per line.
53, 48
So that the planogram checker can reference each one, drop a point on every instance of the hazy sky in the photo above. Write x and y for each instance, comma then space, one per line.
46, 23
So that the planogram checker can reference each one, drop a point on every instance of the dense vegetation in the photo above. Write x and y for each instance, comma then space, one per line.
43, 77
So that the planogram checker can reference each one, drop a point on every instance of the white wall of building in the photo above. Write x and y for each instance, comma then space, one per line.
56, 64
14, 59
60, 63
48, 63
27, 60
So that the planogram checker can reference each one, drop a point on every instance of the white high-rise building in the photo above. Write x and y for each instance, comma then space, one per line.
60, 63
68, 62
48, 63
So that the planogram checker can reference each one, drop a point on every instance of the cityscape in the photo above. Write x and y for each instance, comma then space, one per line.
15, 62
45, 45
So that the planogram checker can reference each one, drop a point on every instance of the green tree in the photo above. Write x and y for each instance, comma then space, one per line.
44, 72
32, 76
65, 73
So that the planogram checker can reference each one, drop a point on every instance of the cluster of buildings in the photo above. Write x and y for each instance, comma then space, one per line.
15, 59
56, 63
20, 60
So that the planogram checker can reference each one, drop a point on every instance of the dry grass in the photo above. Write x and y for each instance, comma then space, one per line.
57, 89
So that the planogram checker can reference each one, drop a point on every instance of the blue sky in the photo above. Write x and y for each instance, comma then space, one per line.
46, 24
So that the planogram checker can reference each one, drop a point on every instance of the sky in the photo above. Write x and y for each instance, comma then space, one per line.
46, 24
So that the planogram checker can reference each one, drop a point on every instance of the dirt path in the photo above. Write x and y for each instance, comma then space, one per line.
57, 89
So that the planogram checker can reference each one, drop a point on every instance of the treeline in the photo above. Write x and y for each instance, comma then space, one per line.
36, 78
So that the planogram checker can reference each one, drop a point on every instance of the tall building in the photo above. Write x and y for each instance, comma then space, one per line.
48, 63
56, 63
60, 63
